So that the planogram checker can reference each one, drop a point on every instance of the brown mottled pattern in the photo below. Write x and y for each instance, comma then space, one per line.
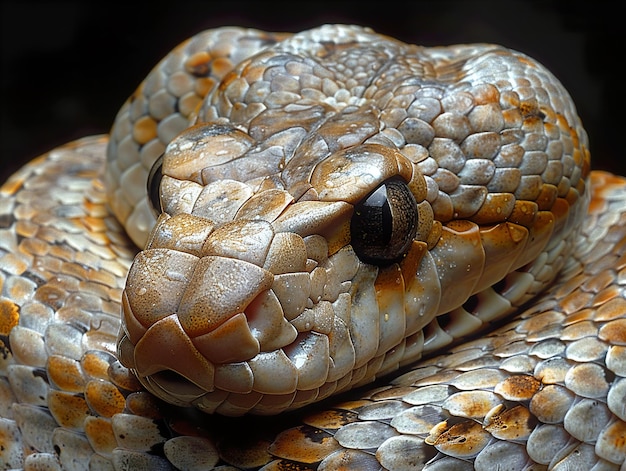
545, 390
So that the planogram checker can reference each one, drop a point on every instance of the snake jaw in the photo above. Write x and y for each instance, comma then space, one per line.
203, 304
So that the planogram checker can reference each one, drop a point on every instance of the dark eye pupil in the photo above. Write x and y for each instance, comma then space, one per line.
154, 186
384, 223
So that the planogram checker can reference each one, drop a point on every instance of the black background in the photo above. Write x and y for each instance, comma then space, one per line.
68, 66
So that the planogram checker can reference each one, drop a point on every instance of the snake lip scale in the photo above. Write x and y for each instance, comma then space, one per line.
323, 250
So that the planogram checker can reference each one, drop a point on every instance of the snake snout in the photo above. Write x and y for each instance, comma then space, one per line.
227, 309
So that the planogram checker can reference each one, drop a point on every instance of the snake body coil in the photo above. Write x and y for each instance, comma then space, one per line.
322, 209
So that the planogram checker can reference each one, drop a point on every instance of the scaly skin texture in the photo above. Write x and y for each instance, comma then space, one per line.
271, 210
484, 152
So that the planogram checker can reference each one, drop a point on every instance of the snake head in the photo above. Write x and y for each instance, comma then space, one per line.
335, 205
248, 294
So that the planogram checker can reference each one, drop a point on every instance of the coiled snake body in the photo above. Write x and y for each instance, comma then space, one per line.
332, 206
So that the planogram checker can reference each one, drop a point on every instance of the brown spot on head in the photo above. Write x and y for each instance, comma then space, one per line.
199, 64
9, 316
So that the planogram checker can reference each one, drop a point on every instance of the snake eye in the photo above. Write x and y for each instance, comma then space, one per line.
154, 186
384, 223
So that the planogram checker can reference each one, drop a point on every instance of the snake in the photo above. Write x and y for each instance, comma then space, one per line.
318, 251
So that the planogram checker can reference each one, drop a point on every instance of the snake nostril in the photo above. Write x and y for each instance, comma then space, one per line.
384, 223
154, 186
